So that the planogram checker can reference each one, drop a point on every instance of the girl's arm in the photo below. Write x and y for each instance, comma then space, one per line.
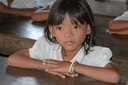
22, 59
108, 73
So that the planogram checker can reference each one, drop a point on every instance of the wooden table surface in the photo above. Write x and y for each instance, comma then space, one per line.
18, 76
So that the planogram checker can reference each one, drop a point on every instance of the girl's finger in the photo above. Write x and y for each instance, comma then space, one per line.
50, 61
69, 74
57, 73
50, 65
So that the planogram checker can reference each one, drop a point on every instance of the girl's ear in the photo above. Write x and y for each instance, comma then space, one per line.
52, 31
88, 29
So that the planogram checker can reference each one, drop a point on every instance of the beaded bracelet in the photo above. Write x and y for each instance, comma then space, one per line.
72, 67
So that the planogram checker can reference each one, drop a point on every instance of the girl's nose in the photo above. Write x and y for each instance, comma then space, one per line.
69, 33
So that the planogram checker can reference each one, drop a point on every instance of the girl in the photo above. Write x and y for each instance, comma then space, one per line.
67, 47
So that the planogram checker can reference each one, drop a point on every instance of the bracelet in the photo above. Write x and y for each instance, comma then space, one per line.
72, 67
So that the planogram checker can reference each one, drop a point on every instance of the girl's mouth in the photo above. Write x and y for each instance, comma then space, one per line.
69, 42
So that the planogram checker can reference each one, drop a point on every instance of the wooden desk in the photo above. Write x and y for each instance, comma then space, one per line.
18, 76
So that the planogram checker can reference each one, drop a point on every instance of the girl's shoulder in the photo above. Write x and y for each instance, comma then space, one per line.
43, 41
97, 56
100, 50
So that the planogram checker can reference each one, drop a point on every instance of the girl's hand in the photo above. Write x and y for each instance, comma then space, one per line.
59, 68
62, 75
57, 73
55, 65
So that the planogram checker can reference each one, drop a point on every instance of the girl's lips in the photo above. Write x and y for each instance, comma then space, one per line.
69, 42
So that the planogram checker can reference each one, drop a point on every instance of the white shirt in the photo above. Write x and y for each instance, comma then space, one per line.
99, 56
124, 16
4, 1
24, 4
45, 2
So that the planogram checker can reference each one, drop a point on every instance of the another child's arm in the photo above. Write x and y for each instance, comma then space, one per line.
118, 25
40, 15
17, 11
108, 73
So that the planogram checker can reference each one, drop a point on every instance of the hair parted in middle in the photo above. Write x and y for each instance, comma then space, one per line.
78, 11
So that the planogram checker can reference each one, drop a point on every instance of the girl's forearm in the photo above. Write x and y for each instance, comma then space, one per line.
98, 73
22, 61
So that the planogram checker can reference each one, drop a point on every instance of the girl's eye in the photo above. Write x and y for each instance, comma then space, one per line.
59, 28
76, 26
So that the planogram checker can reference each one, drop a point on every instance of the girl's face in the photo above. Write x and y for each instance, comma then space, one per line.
69, 35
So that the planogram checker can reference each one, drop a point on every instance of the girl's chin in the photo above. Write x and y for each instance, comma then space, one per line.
69, 49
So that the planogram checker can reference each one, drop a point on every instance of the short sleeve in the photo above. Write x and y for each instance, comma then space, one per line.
38, 51
41, 10
44, 49
124, 16
103, 57
24, 4
4, 1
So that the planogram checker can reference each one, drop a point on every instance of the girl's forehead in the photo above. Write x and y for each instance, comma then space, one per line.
71, 18
60, 18
67, 16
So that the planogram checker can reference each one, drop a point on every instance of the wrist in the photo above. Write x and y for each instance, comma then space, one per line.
72, 67
41, 65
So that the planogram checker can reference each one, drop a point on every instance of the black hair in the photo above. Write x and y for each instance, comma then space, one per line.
78, 11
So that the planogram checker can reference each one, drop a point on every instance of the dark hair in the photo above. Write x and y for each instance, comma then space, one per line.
78, 11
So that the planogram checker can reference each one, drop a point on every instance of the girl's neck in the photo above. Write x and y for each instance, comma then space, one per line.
69, 55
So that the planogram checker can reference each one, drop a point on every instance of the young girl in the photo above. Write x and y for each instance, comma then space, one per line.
67, 47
